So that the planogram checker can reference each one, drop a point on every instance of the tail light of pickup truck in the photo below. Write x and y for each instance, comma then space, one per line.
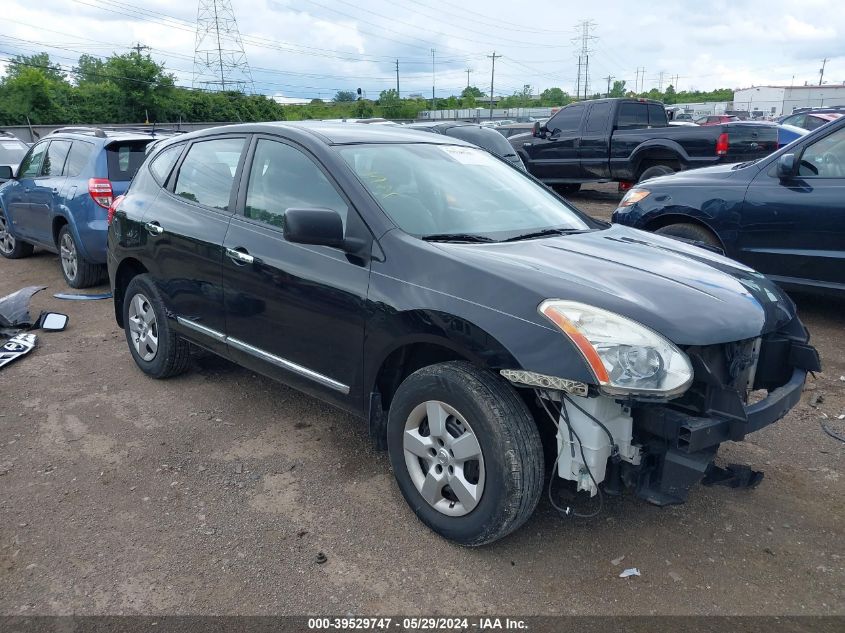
722, 144
100, 190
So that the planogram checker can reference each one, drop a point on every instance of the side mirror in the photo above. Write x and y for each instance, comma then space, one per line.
536, 131
6, 172
322, 227
54, 321
786, 166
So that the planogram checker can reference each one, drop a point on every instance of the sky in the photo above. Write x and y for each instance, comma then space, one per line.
313, 48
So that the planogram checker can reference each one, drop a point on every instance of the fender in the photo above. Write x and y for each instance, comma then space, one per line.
661, 144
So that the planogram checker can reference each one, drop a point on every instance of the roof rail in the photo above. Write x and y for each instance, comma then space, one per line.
92, 131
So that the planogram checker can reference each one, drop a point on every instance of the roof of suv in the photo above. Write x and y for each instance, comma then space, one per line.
111, 134
338, 133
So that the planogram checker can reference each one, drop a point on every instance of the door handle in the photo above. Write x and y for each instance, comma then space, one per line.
55, 190
154, 228
239, 257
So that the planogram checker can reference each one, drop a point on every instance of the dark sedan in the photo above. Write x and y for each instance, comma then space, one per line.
480, 136
783, 215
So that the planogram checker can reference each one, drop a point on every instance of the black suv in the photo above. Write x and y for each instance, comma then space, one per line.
464, 310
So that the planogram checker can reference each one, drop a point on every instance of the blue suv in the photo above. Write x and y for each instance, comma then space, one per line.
60, 196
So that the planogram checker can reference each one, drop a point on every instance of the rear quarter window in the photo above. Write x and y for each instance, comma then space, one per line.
78, 157
125, 158
162, 164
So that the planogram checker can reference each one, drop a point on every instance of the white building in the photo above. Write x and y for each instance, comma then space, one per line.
777, 100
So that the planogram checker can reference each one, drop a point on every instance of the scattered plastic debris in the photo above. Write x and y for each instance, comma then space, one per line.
616, 561
14, 308
816, 400
633, 571
16, 347
71, 296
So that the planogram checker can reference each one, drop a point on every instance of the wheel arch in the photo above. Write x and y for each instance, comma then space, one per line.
650, 154
126, 271
658, 222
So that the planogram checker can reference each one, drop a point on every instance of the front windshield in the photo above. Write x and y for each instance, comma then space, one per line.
431, 190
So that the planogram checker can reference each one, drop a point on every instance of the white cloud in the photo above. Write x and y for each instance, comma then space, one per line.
326, 45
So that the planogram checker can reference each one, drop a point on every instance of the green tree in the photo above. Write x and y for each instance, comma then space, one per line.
618, 89
670, 96
345, 96
471, 91
39, 61
554, 97
390, 104
363, 109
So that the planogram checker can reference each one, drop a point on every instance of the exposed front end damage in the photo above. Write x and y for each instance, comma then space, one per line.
661, 449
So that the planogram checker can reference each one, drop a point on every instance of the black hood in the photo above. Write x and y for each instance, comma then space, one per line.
689, 294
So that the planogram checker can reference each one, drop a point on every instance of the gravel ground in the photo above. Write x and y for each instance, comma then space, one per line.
213, 493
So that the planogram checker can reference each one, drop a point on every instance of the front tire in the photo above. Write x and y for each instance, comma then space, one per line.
692, 232
77, 272
157, 350
465, 452
12, 248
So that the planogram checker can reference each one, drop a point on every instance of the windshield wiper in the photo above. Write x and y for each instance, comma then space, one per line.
545, 233
456, 237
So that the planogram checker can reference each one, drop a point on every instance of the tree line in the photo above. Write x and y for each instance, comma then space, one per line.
134, 88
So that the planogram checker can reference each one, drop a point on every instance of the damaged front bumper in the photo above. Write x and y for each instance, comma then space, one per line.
660, 450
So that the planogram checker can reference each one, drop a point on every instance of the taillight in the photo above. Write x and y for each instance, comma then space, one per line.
113, 208
101, 191
722, 144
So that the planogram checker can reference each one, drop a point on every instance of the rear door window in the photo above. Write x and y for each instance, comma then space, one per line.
598, 117
77, 159
657, 115
632, 115
208, 171
124, 158
54, 161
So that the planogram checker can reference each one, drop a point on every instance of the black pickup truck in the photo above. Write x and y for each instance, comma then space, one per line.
629, 140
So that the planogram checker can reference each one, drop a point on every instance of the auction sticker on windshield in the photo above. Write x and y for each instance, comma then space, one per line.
467, 155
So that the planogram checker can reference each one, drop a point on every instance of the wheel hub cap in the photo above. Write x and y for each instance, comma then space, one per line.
444, 458
7, 242
143, 328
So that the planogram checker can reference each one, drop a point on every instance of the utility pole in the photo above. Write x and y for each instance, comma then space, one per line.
140, 47
642, 80
578, 82
607, 94
433, 102
821, 71
468, 71
660, 81
492, 77
586, 75
220, 62
397, 77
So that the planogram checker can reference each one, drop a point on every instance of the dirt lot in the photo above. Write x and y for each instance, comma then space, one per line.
213, 493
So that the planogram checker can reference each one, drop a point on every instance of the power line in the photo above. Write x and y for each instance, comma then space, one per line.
821, 71
584, 56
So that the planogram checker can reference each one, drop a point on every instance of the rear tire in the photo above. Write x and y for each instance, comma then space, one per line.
77, 272
655, 171
476, 495
10, 247
157, 350
692, 232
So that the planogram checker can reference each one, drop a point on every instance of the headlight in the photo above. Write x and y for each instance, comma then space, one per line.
625, 356
634, 196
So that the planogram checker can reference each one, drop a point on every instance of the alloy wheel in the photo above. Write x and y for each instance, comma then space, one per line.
69, 256
143, 327
444, 458
7, 242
